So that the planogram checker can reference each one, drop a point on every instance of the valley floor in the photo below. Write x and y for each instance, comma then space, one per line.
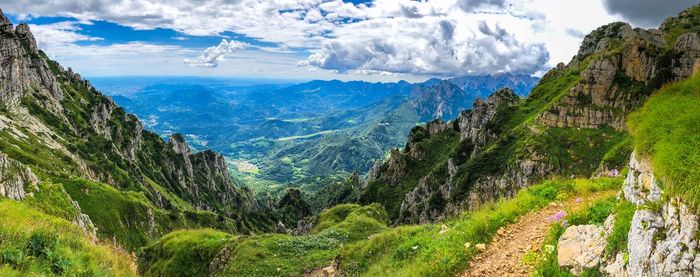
504, 255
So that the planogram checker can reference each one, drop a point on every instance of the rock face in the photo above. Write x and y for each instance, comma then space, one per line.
15, 178
472, 123
606, 91
662, 240
23, 67
416, 206
581, 247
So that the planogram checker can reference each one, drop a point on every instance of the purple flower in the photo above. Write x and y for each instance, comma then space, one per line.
557, 216
579, 200
614, 173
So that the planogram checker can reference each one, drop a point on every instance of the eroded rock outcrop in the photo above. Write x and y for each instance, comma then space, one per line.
621, 62
662, 241
15, 178
472, 123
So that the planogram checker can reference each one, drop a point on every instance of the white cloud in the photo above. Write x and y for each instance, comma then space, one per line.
213, 55
432, 37
56, 35
432, 46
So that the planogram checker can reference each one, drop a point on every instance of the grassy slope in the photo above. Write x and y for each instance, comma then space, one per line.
666, 131
185, 252
359, 238
131, 218
269, 254
35, 243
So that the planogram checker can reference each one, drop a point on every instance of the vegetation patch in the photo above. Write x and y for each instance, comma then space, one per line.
33, 243
268, 254
617, 240
423, 251
131, 218
666, 131
184, 253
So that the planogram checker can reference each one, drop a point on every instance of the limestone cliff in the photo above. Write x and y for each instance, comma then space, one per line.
620, 67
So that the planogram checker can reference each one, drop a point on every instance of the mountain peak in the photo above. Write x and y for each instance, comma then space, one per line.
504, 93
25, 35
5, 24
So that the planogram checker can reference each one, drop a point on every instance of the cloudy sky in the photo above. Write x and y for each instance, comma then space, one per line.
378, 40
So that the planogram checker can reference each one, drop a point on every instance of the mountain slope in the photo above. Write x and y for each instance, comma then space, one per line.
571, 124
55, 128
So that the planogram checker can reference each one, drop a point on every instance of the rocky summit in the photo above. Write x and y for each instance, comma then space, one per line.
591, 170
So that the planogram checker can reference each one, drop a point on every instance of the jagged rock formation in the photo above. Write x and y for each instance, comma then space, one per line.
416, 206
472, 123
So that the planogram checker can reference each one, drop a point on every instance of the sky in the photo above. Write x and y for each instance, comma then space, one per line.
373, 40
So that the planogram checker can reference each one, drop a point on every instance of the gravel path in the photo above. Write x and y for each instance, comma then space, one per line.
504, 254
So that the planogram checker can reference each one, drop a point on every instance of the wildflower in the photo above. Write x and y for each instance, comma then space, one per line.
579, 200
614, 173
557, 216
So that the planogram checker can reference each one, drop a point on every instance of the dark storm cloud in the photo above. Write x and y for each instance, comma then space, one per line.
647, 13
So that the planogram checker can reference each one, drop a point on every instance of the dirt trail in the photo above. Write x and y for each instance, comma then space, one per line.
504, 254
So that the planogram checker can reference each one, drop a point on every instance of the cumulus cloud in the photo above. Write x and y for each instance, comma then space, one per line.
57, 35
647, 13
431, 37
213, 55
445, 46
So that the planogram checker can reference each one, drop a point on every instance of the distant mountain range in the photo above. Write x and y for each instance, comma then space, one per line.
308, 134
